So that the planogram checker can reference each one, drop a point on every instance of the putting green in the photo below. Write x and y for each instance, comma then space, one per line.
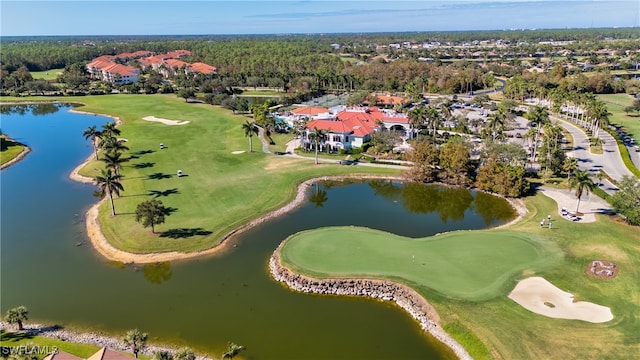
470, 265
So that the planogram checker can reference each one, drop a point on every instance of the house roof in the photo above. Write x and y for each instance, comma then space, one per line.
203, 68
153, 60
178, 54
371, 115
310, 110
391, 99
176, 64
108, 354
99, 63
61, 355
133, 55
122, 70
352, 126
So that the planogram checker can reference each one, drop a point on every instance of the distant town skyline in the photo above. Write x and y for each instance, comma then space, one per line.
158, 17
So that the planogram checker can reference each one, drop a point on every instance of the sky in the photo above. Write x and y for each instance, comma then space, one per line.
212, 17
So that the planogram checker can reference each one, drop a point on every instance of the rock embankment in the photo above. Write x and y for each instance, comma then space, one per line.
402, 295
58, 332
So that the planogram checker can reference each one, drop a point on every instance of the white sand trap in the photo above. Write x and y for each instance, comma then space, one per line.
238, 152
165, 121
533, 292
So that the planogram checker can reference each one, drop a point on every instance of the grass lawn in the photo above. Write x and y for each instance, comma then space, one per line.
461, 264
261, 93
616, 104
9, 149
497, 327
280, 141
11, 339
51, 74
221, 191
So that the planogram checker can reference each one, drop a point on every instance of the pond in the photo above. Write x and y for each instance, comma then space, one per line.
48, 264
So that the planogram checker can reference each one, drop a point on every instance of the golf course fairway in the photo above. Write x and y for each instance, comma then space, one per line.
468, 265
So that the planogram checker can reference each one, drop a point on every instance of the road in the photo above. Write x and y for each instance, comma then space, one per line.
609, 161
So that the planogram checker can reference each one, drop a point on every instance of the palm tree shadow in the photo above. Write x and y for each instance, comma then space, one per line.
181, 233
137, 154
169, 210
143, 165
158, 193
158, 176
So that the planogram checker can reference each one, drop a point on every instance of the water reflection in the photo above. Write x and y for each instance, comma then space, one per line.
157, 273
318, 196
451, 204
35, 109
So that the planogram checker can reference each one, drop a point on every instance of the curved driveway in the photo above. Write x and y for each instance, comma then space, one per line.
610, 160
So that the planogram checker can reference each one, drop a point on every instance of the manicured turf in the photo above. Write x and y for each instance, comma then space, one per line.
51, 74
16, 340
10, 149
472, 265
616, 104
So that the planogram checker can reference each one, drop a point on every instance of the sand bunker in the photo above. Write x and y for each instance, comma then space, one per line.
238, 152
541, 297
165, 121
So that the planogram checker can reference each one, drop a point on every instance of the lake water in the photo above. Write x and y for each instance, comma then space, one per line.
48, 265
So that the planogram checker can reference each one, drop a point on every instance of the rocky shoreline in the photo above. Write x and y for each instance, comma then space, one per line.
59, 333
402, 295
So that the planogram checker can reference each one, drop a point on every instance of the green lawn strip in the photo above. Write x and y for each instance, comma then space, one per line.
10, 149
474, 346
471, 265
616, 104
280, 141
261, 93
12, 339
51, 74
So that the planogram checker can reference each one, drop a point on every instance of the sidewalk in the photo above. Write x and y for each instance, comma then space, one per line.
590, 205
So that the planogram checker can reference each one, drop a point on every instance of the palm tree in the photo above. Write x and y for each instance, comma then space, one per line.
582, 182
570, 165
113, 145
17, 316
109, 183
538, 115
233, 349
417, 117
94, 134
114, 161
110, 130
250, 129
316, 135
136, 340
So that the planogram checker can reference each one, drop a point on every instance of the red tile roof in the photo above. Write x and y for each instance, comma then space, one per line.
359, 120
153, 60
351, 126
108, 354
391, 99
310, 110
179, 53
122, 70
133, 55
61, 355
203, 68
176, 64
99, 63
